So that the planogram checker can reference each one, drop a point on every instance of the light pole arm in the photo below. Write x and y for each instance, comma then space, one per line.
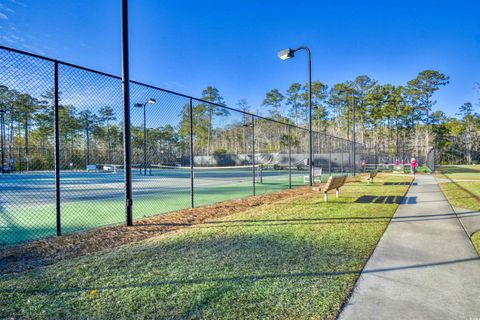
303, 48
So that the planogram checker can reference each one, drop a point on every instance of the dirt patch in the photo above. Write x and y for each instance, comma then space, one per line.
15, 258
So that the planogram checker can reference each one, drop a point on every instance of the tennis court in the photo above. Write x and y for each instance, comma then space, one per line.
168, 129
93, 199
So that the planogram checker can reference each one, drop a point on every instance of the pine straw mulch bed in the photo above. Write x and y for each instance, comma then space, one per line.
16, 258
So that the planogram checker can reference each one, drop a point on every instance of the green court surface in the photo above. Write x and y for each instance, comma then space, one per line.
27, 206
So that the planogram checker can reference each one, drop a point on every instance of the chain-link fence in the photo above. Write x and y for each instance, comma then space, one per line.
455, 150
185, 152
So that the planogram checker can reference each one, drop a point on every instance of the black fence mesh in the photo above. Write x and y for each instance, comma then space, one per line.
321, 156
184, 152
271, 156
160, 135
223, 167
430, 162
90, 113
300, 156
27, 187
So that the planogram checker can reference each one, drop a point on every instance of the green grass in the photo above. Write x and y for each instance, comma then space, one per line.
464, 194
423, 169
464, 172
476, 241
294, 259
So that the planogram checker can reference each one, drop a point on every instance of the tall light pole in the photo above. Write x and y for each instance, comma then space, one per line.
126, 116
2, 138
285, 55
144, 105
353, 136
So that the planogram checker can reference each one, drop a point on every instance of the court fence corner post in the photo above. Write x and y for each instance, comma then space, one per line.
192, 159
56, 116
254, 172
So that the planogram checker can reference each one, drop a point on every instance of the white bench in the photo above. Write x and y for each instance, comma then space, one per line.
333, 183
109, 168
317, 176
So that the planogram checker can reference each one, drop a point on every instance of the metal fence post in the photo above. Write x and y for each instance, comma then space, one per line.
341, 152
56, 115
289, 156
354, 129
253, 154
2, 139
330, 157
351, 158
126, 116
145, 137
191, 154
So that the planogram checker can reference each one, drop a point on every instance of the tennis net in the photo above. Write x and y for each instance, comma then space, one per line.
220, 172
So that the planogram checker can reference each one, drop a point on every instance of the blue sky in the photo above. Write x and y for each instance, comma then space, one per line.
187, 45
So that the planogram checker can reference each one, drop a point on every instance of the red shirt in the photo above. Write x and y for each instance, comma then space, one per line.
413, 163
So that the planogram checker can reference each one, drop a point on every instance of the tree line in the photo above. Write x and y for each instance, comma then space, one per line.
391, 121
86, 136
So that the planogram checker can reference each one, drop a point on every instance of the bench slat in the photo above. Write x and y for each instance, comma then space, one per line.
332, 183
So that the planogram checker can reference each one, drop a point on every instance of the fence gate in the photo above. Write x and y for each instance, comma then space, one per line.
431, 159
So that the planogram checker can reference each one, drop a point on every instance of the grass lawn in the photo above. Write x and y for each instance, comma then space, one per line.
294, 259
461, 172
464, 194
476, 241
423, 169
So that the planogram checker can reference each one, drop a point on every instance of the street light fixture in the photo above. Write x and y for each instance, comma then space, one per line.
286, 54
144, 105
2, 138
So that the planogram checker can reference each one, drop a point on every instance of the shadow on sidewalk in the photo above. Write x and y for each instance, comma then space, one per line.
398, 183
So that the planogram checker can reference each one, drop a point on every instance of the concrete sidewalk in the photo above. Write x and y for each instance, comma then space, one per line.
469, 218
424, 267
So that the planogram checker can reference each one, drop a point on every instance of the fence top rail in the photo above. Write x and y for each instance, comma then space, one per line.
59, 62
161, 89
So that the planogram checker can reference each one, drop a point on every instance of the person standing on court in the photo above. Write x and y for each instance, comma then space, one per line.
413, 166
